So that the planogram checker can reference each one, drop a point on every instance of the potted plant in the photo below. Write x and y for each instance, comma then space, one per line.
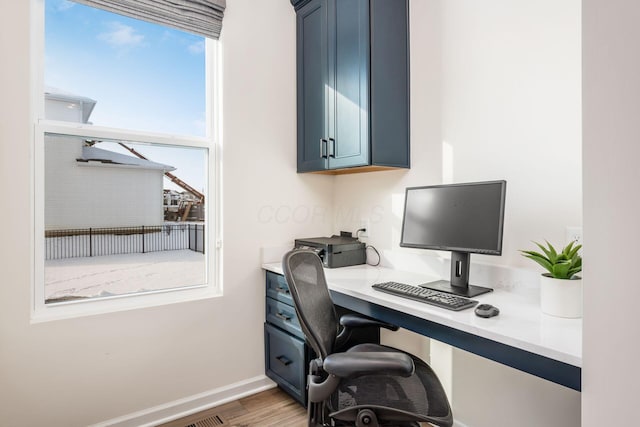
560, 287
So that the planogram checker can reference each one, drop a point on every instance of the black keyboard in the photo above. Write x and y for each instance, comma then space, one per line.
428, 296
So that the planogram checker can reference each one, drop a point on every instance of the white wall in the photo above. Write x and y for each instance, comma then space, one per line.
83, 195
511, 109
81, 371
611, 107
495, 94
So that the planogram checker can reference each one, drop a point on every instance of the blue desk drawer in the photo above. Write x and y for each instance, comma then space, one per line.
277, 288
283, 316
285, 361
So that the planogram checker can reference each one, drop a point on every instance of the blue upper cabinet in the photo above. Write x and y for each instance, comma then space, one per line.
352, 85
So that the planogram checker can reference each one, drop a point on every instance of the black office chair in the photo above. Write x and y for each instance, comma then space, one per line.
368, 384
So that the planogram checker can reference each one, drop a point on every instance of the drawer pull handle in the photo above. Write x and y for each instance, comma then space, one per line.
323, 148
282, 290
283, 317
283, 360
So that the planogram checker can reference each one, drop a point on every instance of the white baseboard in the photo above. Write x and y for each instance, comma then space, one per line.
190, 405
198, 402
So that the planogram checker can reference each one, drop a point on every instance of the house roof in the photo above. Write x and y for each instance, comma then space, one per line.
86, 104
93, 154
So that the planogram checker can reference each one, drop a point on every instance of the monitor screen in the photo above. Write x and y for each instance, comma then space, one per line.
460, 218
455, 217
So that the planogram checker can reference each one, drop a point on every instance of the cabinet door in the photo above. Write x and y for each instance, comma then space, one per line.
389, 81
285, 361
312, 86
349, 83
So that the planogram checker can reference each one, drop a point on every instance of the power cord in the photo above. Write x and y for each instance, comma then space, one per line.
368, 247
377, 253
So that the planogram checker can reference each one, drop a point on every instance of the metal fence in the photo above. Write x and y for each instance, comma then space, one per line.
87, 242
196, 238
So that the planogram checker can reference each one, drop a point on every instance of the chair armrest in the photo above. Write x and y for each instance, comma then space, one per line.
363, 363
357, 321
349, 322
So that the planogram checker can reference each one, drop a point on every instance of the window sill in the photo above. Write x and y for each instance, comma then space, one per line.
114, 304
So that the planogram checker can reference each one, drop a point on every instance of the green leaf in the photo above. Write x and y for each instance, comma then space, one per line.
552, 250
577, 264
567, 249
576, 261
561, 270
542, 261
574, 252
574, 271
535, 254
548, 253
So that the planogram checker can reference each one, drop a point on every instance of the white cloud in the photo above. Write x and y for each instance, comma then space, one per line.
196, 47
166, 35
65, 5
121, 36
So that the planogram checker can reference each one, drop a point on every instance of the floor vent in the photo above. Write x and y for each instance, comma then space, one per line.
208, 422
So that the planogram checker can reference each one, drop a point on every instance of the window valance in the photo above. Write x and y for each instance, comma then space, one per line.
202, 17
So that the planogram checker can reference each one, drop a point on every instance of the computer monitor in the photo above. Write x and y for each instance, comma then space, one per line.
460, 218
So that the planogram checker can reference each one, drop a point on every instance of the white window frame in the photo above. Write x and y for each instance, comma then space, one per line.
211, 142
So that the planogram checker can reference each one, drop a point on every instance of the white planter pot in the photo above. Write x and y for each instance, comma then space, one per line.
561, 297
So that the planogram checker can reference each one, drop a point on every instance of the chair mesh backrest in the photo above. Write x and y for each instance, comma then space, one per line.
308, 286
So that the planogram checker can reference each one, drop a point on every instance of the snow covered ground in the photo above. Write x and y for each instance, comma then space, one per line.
123, 274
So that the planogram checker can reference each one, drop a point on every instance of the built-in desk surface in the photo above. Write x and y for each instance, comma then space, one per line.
521, 336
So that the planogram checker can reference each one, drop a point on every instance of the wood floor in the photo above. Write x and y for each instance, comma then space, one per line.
270, 408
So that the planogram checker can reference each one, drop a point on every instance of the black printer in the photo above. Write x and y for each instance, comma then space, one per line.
335, 251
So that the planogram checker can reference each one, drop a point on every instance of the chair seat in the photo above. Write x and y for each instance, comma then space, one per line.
396, 398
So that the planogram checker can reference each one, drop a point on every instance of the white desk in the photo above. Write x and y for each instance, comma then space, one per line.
521, 336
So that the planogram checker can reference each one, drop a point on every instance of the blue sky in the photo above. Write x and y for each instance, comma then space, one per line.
143, 76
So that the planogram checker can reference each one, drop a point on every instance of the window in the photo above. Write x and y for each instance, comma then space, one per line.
126, 200
115, 71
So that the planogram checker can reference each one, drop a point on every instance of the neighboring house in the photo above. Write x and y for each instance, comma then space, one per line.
86, 186
67, 107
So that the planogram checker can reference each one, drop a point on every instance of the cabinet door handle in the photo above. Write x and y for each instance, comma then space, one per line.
283, 317
283, 360
323, 148
332, 148
282, 290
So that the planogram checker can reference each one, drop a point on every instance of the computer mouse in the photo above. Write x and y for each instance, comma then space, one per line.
486, 310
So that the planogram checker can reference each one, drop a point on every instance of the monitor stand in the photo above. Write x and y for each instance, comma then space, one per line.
459, 284
446, 286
